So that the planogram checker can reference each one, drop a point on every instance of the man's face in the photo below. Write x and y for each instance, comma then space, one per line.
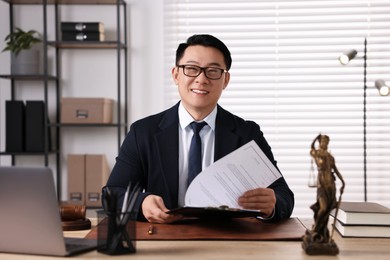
199, 95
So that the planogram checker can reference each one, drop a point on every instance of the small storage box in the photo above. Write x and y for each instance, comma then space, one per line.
86, 110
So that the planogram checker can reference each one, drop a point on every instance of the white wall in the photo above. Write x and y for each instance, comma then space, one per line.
93, 73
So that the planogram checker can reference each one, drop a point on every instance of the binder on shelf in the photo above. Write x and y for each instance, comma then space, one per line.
14, 125
96, 175
82, 27
35, 127
82, 36
76, 179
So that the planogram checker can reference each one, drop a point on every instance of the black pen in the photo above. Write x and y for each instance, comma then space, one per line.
125, 200
133, 197
106, 199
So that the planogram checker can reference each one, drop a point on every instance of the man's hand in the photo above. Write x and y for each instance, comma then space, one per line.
262, 199
154, 210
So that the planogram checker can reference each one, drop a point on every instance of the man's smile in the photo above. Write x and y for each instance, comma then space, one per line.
199, 91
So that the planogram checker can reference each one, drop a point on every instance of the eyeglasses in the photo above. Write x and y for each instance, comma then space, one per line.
209, 72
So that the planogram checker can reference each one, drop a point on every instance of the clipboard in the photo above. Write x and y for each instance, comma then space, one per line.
215, 212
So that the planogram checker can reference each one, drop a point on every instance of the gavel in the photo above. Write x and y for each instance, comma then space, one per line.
72, 212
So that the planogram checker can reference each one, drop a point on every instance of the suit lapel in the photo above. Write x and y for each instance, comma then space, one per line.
226, 140
168, 149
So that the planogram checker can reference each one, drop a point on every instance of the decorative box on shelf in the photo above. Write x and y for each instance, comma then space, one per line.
86, 110
82, 31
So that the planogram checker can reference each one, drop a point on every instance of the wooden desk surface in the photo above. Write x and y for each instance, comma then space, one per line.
350, 248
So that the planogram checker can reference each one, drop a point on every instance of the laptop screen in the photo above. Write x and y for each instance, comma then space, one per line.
30, 221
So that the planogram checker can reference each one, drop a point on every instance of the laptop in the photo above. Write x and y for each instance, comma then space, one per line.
30, 220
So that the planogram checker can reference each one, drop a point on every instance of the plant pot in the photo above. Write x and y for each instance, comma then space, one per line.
27, 62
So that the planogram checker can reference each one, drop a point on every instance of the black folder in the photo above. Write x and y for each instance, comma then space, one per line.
14, 125
35, 126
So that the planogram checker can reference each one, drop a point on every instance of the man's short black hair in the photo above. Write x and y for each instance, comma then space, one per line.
207, 41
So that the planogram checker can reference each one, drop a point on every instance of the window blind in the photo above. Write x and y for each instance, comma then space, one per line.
286, 77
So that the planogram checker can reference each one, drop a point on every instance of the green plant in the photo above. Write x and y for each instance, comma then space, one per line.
21, 40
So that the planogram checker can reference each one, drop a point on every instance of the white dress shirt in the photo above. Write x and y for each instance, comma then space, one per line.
185, 135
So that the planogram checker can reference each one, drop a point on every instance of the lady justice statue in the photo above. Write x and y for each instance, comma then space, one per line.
318, 241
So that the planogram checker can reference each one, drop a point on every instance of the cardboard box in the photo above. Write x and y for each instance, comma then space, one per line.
86, 110
87, 174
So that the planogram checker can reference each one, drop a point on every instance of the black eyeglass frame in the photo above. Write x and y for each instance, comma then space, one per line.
201, 69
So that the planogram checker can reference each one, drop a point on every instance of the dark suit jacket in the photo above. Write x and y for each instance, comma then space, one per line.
149, 155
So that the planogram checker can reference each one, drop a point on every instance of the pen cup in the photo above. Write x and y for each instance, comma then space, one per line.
116, 232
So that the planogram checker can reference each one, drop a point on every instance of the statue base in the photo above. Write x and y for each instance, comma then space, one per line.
312, 247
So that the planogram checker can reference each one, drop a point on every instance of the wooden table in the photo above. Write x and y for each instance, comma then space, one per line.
350, 248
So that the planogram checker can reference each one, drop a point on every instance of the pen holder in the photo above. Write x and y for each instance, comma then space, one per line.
116, 232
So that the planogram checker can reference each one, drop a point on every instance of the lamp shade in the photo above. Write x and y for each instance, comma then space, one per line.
346, 57
383, 89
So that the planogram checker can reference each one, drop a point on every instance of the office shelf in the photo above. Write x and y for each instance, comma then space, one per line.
52, 49
29, 77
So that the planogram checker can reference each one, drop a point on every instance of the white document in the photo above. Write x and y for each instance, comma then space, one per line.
223, 182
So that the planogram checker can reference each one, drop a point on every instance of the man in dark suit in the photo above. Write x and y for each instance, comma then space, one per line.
155, 152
